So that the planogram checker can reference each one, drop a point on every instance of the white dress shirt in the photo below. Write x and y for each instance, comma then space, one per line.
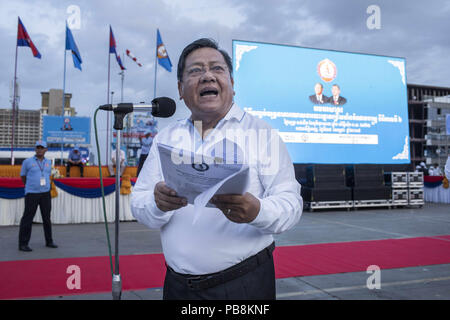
214, 243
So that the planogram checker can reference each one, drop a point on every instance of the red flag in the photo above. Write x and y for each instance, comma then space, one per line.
112, 41
112, 48
24, 40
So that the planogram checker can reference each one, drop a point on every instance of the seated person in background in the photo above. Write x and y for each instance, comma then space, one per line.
424, 169
437, 170
74, 159
112, 164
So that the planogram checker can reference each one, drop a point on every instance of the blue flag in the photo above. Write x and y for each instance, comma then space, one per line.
161, 53
71, 45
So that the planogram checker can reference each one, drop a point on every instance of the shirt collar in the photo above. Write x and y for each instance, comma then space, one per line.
234, 112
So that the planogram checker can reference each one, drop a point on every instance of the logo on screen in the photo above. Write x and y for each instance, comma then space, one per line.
327, 70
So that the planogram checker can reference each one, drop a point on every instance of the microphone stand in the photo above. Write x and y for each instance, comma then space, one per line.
119, 114
120, 111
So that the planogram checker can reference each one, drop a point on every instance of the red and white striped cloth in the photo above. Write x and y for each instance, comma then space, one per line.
132, 57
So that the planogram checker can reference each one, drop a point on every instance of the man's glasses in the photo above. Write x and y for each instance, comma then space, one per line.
197, 70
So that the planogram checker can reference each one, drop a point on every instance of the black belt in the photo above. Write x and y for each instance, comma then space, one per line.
201, 282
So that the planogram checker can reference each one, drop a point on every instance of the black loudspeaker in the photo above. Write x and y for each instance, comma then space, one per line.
319, 194
364, 176
377, 193
325, 176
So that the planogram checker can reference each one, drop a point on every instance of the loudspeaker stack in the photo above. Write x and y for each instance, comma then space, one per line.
367, 182
325, 187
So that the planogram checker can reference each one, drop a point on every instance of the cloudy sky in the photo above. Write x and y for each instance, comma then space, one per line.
416, 30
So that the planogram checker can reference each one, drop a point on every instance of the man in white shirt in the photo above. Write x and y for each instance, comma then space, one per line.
227, 252
112, 164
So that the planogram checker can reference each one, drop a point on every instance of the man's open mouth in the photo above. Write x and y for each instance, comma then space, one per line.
209, 92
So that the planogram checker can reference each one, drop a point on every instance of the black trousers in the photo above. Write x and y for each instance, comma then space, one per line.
32, 201
142, 159
258, 284
80, 165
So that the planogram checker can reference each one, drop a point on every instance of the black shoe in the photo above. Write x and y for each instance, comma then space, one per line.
51, 245
25, 248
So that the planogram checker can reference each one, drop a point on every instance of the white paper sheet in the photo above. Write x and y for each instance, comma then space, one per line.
198, 178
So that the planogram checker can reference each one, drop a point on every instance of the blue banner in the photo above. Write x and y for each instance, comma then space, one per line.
59, 129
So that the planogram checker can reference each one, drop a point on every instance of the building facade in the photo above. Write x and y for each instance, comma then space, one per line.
427, 110
28, 123
52, 103
27, 128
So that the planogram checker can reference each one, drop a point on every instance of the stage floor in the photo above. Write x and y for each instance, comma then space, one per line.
416, 282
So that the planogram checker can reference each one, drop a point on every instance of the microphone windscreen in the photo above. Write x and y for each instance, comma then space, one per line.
163, 107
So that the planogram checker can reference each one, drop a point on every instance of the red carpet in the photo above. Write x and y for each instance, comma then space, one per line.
39, 278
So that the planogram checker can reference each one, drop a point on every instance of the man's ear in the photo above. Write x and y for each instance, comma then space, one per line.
232, 85
180, 90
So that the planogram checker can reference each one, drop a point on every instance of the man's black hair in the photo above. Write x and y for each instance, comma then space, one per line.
198, 44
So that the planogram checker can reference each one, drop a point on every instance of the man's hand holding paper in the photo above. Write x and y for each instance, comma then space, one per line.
166, 198
237, 208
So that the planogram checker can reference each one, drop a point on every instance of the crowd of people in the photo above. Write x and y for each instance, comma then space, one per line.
433, 170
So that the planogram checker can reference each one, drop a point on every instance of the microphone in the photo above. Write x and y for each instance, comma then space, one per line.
161, 107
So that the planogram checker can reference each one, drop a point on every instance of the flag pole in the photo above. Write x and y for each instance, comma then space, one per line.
63, 98
107, 101
156, 66
14, 102
64, 79
122, 78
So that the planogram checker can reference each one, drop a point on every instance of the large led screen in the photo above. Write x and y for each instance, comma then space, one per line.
328, 106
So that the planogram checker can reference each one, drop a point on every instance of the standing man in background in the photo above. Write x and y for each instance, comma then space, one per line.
35, 174
146, 143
